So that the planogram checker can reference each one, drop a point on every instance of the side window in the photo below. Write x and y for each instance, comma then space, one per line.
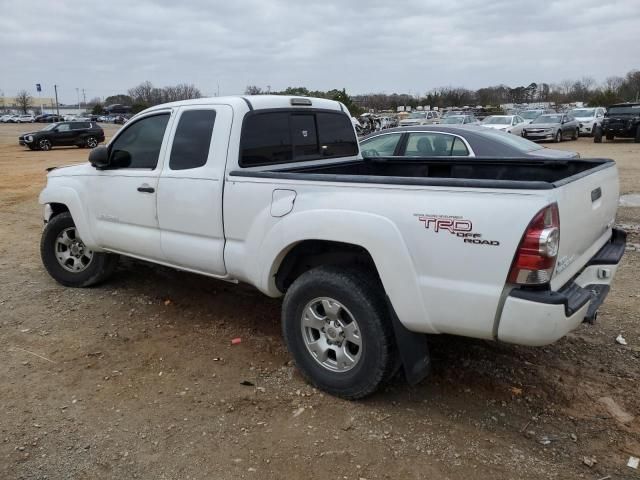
335, 132
63, 127
380, 146
459, 149
80, 125
266, 138
281, 137
138, 146
429, 144
192, 139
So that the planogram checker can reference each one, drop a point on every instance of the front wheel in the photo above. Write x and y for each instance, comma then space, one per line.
558, 138
337, 327
597, 135
68, 260
575, 135
44, 144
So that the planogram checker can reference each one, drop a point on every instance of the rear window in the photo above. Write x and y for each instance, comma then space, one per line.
290, 136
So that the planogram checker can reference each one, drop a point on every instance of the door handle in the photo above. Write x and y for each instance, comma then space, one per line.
146, 189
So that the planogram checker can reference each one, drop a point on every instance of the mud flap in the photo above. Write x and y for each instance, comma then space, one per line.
413, 350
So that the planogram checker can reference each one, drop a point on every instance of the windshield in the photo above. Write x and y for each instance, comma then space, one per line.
548, 119
583, 112
513, 141
498, 121
452, 120
416, 115
50, 127
631, 109
531, 114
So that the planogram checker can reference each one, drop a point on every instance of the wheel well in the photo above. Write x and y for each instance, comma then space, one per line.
313, 253
57, 209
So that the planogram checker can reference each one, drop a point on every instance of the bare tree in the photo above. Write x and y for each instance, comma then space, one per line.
614, 83
24, 101
252, 90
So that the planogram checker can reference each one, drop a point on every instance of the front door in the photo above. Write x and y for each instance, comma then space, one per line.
122, 199
63, 135
190, 189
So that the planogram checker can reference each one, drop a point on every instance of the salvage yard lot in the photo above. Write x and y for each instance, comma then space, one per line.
137, 378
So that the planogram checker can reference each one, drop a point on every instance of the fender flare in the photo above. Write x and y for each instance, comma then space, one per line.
376, 234
70, 198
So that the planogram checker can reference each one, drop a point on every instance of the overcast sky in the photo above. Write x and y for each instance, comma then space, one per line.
400, 46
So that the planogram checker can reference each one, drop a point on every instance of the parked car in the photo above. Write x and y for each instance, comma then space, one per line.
620, 120
120, 119
5, 118
420, 118
588, 118
459, 120
554, 126
530, 115
439, 246
25, 118
457, 141
80, 134
506, 123
13, 119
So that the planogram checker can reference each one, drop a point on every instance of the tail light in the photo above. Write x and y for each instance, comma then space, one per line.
538, 250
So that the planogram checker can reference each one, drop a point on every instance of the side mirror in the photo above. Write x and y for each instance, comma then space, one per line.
99, 157
600, 115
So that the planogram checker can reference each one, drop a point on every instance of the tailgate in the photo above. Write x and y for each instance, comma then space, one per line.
587, 208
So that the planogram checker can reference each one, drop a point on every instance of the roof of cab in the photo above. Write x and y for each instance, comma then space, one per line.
255, 102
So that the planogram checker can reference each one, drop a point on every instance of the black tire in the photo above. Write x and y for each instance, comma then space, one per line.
99, 268
593, 130
91, 142
597, 135
44, 144
558, 137
610, 137
636, 139
575, 135
362, 296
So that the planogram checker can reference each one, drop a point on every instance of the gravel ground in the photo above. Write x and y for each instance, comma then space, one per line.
137, 378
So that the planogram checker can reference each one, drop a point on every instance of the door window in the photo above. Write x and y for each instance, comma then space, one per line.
192, 139
380, 146
138, 146
63, 127
431, 144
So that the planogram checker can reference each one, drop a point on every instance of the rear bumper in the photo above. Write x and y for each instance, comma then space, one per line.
540, 317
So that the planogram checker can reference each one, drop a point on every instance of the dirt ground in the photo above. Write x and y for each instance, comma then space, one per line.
137, 378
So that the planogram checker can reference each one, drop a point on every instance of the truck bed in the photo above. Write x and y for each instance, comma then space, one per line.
517, 173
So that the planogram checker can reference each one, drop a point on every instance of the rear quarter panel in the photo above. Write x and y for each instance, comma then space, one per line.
437, 282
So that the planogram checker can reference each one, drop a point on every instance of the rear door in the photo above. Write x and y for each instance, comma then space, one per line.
190, 189
587, 209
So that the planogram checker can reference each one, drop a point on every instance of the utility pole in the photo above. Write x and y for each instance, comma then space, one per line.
84, 97
78, 94
55, 87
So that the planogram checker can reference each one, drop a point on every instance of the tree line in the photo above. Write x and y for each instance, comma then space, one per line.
614, 89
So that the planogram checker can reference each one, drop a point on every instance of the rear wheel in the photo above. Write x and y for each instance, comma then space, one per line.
610, 137
337, 327
575, 135
66, 257
91, 142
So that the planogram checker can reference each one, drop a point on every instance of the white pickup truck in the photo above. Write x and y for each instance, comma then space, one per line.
369, 254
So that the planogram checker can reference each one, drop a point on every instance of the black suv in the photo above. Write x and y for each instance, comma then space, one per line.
80, 134
621, 120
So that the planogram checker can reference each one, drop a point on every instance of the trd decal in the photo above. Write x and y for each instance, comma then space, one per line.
455, 225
